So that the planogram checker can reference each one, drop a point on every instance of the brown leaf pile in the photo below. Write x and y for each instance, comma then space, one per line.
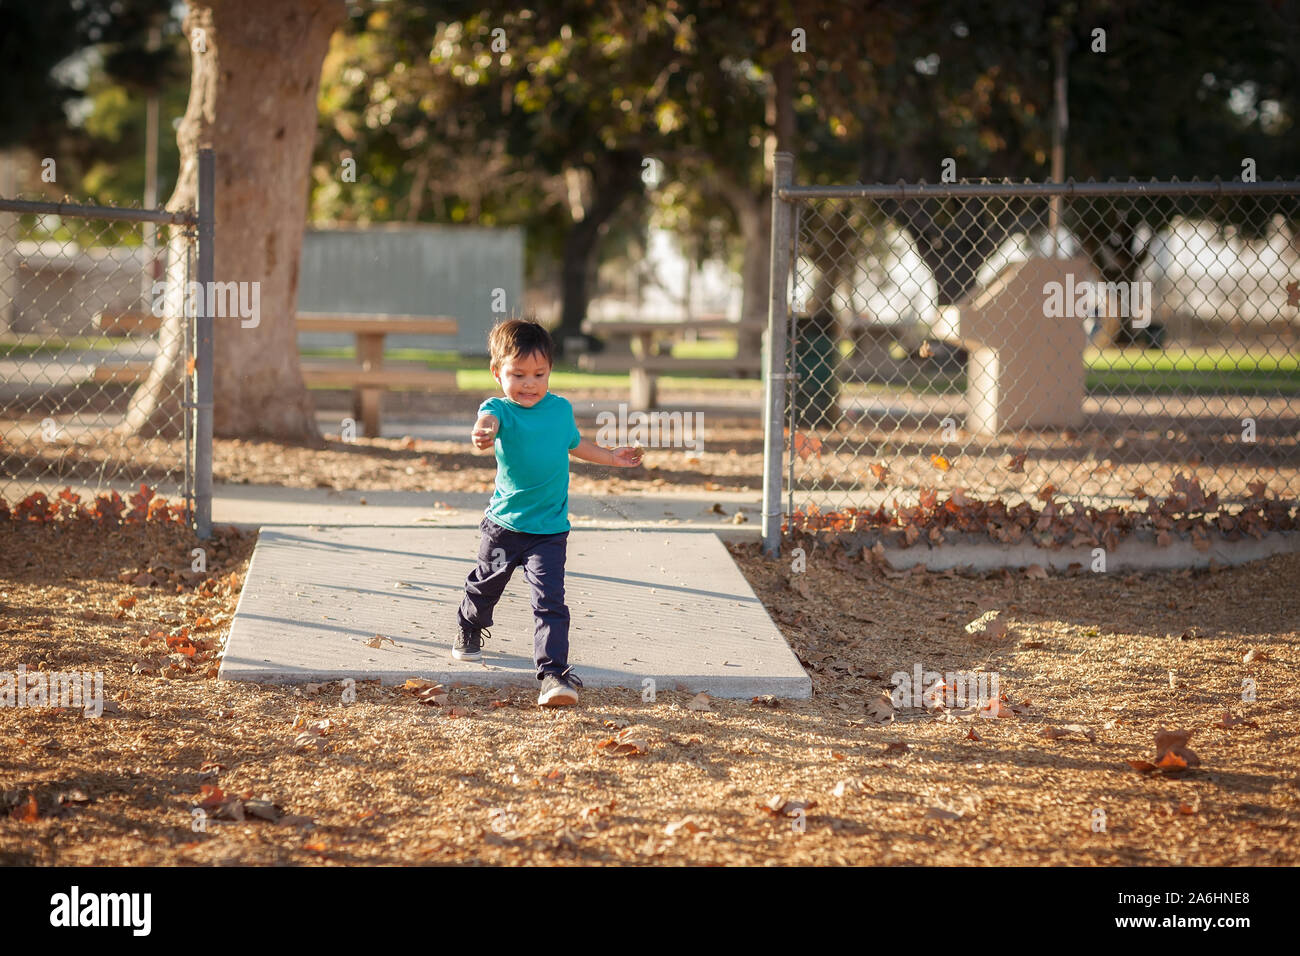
1186, 511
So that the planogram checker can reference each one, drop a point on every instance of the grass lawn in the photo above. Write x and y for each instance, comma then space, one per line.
1192, 370
1188, 371
1119, 371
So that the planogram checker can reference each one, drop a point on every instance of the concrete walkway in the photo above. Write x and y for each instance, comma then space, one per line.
667, 606
253, 506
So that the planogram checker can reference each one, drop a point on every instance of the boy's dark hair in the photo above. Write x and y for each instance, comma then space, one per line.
519, 338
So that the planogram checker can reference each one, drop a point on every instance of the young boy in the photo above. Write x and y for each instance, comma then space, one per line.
527, 521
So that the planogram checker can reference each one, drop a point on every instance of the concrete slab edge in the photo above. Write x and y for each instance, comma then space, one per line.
790, 688
1138, 552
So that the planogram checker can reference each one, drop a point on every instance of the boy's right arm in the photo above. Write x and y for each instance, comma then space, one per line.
485, 431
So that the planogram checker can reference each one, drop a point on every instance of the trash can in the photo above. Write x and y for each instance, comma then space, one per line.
816, 392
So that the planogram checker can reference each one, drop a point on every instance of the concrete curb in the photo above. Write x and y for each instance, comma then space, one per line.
1138, 552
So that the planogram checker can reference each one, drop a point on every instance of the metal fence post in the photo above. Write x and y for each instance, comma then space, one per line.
203, 349
777, 320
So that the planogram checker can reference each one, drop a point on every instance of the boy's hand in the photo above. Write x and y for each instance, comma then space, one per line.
485, 433
626, 457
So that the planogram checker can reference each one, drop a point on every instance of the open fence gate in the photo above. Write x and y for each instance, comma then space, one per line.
1100, 342
106, 354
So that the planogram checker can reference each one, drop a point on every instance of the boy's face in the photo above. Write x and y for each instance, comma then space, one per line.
523, 379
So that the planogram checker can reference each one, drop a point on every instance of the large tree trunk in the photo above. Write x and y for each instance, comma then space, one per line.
256, 72
956, 246
615, 176
1116, 260
753, 211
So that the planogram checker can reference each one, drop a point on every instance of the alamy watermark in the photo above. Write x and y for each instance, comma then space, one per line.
923, 688
75, 908
1084, 299
222, 300
651, 429
53, 689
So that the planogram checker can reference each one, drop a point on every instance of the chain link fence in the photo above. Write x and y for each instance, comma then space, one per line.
1089, 340
97, 351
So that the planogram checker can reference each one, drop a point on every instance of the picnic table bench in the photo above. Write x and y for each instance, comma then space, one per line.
646, 361
368, 376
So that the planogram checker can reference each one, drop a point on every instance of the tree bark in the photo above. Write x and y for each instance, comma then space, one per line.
615, 176
753, 211
255, 76
1116, 261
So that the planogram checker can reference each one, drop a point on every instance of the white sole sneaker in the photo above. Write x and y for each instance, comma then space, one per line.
558, 697
466, 655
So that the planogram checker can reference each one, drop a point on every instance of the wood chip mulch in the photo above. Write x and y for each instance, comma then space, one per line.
183, 769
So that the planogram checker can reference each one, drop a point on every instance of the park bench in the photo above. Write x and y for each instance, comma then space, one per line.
647, 361
368, 376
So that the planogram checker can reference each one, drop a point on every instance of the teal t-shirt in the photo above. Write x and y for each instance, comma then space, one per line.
532, 448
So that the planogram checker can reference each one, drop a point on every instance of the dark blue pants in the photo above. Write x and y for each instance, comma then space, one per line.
500, 551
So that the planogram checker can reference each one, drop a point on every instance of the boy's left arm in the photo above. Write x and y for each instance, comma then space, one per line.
619, 457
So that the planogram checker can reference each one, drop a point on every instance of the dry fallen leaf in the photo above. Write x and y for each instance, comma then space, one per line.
991, 625
688, 824
1036, 571
805, 445
264, 809
779, 806
378, 641
844, 786
881, 710
897, 747
624, 745
28, 811
943, 464
1172, 753
435, 695
1068, 730
1254, 654
308, 739
995, 708
1016, 465
1175, 742
699, 702
1232, 720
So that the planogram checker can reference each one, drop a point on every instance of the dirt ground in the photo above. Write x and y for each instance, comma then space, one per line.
183, 769
835, 466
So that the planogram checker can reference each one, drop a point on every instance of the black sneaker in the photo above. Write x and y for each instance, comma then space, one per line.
469, 643
559, 690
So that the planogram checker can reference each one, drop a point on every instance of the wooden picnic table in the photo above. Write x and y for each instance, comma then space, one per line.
635, 348
368, 376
